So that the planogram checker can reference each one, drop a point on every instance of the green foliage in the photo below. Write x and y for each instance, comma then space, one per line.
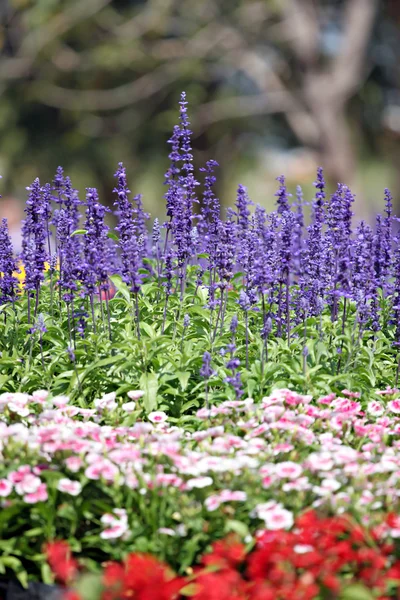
166, 364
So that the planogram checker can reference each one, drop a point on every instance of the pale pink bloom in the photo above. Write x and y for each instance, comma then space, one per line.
129, 407
288, 470
168, 479
117, 530
278, 518
5, 488
60, 401
108, 519
272, 413
19, 405
321, 461
107, 402
283, 447
73, 463
326, 399
158, 416
135, 394
68, 486
345, 405
131, 481
262, 509
199, 482
375, 408
212, 503
40, 396
233, 496
388, 392
298, 485
351, 394
394, 406
121, 513
29, 485
327, 487
203, 413
104, 469
40, 495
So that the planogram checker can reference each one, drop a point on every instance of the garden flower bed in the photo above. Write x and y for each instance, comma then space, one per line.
223, 376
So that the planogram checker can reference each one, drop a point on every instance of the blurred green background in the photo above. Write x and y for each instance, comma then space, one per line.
275, 86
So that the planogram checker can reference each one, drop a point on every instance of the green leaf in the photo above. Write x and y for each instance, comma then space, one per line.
237, 527
356, 591
113, 236
89, 586
121, 287
183, 377
79, 232
148, 382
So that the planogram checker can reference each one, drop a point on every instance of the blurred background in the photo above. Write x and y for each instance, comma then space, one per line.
275, 86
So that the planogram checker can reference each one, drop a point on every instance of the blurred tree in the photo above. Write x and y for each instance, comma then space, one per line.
87, 84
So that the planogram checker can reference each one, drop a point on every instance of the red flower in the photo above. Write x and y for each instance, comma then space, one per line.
62, 564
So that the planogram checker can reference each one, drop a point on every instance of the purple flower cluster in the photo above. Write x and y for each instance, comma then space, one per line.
273, 264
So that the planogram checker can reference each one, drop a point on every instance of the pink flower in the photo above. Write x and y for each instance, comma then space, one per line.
212, 503
17, 476
135, 394
29, 485
394, 406
375, 408
107, 402
288, 470
60, 401
118, 524
40, 396
40, 495
351, 394
5, 488
278, 518
104, 469
68, 486
157, 416
73, 463
117, 530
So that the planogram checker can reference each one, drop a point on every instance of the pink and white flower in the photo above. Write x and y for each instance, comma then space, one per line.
394, 406
278, 518
158, 416
288, 470
5, 488
40, 495
68, 486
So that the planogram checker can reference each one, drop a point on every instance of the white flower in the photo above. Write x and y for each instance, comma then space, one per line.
129, 407
199, 482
